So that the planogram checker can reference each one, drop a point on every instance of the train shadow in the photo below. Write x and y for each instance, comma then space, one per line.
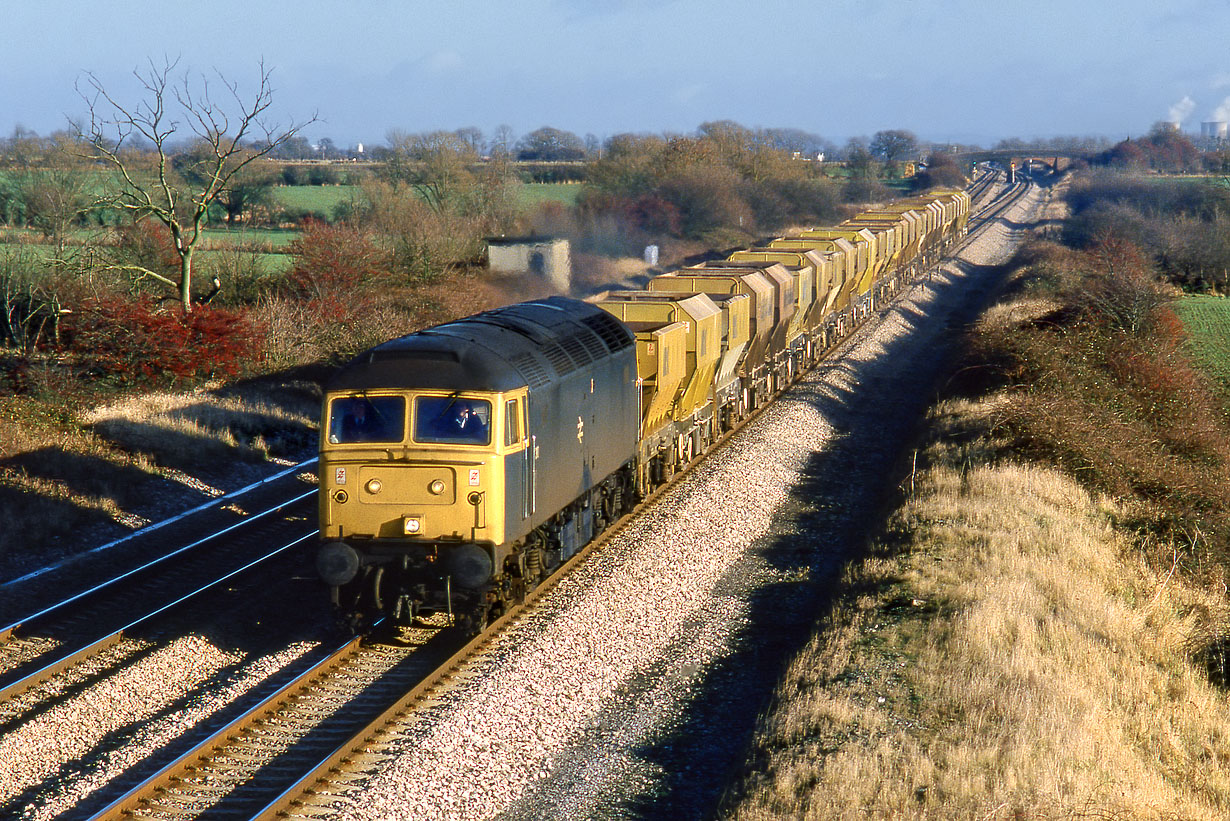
86, 475
875, 403
261, 432
179, 449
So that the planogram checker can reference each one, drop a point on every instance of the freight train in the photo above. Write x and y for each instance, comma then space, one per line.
462, 464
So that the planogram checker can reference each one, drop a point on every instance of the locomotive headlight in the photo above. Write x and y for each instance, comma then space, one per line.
412, 525
373, 486
436, 487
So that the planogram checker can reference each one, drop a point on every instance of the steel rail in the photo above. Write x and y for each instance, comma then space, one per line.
234, 494
7, 632
995, 208
143, 792
96, 647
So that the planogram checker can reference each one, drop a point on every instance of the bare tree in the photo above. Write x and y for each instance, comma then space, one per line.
436, 164
231, 133
893, 145
502, 141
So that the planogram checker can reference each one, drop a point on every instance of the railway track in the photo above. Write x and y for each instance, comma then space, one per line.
998, 204
83, 634
292, 752
982, 186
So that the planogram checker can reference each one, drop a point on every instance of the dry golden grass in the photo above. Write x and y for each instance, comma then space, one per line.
68, 483
1003, 653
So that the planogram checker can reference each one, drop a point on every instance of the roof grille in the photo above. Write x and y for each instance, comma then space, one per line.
558, 358
576, 350
609, 329
594, 345
531, 369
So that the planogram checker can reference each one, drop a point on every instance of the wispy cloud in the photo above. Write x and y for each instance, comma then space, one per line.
689, 93
1222, 112
443, 62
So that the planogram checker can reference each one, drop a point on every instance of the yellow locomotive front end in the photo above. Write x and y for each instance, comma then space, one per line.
461, 464
417, 479
416, 466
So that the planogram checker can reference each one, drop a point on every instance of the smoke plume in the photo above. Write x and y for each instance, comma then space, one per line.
1222, 113
1181, 110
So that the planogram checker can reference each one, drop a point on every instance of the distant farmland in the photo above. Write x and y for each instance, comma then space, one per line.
323, 199
1207, 319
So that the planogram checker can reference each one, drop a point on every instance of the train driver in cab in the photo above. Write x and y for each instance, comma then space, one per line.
464, 424
444, 420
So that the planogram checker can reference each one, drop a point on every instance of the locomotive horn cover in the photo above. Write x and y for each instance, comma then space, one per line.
337, 563
470, 565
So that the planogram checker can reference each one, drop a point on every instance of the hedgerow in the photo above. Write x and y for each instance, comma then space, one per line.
1101, 385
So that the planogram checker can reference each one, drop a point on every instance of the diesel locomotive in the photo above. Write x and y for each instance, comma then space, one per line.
462, 464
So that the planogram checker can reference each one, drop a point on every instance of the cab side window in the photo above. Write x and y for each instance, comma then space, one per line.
512, 422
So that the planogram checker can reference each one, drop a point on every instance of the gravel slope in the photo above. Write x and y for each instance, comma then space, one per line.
634, 691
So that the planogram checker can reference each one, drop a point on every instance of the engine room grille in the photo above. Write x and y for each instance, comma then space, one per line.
558, 358
576, 350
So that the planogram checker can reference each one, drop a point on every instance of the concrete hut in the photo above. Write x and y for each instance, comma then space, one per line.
547, 257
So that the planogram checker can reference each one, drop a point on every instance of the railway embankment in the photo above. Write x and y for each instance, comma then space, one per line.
1039, 629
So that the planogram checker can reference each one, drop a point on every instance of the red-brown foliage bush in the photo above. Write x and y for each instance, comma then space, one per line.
1118, 405
333, 264
1119, 286
143, 342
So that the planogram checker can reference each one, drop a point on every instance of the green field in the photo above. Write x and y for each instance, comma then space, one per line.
1207, 319
533, 194
321, 199
324, 198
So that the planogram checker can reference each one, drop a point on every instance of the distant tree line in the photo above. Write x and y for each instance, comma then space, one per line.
1183, 227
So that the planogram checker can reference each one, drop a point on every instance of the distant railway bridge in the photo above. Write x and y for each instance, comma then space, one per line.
1054, 159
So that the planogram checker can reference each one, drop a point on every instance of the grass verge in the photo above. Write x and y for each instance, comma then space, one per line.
1041, 628
1004, 652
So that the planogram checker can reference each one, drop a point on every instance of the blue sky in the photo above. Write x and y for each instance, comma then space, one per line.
967, 70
